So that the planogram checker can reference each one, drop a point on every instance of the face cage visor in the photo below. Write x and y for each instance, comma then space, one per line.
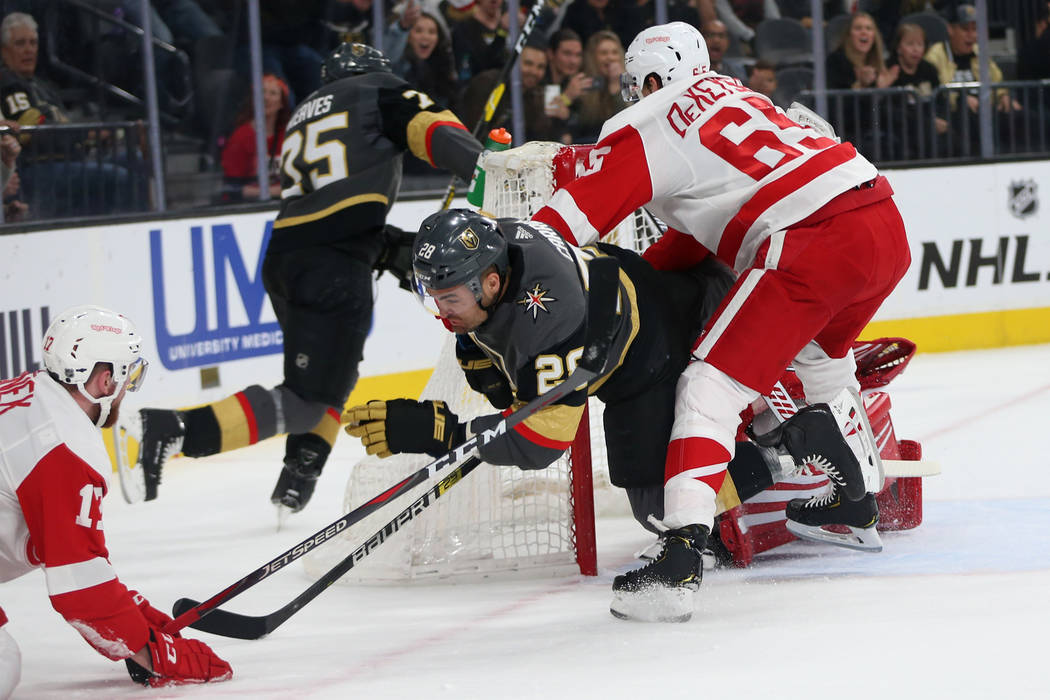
630, 90
136, 374
453, 301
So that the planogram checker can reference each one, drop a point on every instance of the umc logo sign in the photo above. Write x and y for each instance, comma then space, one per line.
209, 304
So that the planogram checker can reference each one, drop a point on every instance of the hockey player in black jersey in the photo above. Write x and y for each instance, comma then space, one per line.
514, 292
340, 173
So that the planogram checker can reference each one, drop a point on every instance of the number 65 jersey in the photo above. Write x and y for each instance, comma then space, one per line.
713, 159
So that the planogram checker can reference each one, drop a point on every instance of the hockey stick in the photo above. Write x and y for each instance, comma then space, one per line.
601, 327
496, 95
783, 407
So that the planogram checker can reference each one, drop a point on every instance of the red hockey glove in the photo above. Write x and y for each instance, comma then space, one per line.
155, 618
178, 661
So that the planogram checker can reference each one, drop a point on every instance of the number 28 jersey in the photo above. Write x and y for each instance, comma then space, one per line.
711, 158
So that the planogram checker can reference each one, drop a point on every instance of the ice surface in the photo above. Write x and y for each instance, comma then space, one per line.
956, 608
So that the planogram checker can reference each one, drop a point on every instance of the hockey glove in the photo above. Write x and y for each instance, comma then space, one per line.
482, 375
403, 425
396, 256
178, 661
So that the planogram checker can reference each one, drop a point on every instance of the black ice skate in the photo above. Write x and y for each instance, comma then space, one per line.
812, 437
162, 434
662, 590
854, 522
305, 457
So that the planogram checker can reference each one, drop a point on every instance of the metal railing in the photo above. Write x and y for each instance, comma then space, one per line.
80, 170
902, 126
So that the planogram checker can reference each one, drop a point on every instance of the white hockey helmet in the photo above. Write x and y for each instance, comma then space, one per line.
81, 337
672, 51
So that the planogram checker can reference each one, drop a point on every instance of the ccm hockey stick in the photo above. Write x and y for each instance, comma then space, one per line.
601, 328
496, 96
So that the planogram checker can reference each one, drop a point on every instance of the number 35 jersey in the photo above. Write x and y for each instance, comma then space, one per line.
342, 152
712, 159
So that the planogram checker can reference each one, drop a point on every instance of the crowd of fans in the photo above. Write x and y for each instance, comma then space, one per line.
570, 69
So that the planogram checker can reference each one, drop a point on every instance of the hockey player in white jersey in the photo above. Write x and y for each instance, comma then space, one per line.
809, 226
52, 479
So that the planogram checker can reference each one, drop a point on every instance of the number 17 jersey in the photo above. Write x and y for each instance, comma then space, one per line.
711, 158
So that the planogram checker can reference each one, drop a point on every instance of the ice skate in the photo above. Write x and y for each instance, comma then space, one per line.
854, 521
305, 457
162, 435
812, 436
662, 590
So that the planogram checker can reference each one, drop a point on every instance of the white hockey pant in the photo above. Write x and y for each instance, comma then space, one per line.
708, 403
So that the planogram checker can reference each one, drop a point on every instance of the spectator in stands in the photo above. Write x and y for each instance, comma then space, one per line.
603, 62
742, 16
10, 183
717, 37
239, 158
541, 124
856, 64
564, 66
479, 42
763, 78
956, 62
57, 177
427, 59
857, 60
906, 67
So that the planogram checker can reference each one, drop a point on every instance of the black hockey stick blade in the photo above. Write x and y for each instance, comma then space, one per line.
603, 291
237, 626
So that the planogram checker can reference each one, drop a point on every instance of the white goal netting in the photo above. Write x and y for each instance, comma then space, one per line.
499, 520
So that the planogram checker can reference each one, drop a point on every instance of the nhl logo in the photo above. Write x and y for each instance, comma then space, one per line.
1023, 201
469, 239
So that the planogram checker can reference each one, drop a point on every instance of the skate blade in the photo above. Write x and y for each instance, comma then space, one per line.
656, 604
858, 538
283, 512
127, 434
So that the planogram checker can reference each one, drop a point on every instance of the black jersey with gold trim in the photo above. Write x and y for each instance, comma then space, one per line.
342, 152
535, 336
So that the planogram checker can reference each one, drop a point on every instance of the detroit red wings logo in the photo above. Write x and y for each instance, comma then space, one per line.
536, 300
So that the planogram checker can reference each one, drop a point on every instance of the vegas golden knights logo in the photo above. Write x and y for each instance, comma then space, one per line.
469, 239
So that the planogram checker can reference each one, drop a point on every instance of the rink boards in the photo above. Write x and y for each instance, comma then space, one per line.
980, 277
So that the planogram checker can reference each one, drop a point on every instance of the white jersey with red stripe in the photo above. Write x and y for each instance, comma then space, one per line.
52, 479
711, 158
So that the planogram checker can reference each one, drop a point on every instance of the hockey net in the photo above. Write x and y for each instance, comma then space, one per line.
500, 521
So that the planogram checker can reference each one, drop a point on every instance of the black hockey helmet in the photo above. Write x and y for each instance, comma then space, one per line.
455, 247
351, 59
